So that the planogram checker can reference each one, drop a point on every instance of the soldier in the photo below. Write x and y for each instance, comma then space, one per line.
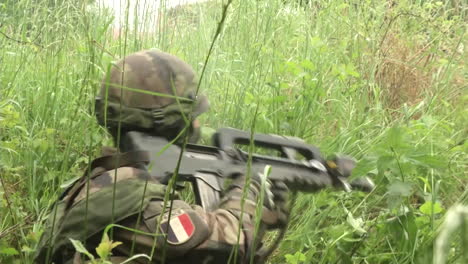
117, 189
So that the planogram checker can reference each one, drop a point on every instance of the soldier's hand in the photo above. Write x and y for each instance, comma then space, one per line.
276, 212
275, 209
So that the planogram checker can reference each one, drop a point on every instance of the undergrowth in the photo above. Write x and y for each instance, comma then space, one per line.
383, 81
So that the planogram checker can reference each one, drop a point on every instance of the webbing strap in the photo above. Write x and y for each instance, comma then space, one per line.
102, 164
120, 160
98, 212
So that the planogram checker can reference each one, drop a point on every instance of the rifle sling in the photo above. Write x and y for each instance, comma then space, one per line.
103, 164
120, 160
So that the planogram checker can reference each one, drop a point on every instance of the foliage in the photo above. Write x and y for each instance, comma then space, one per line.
384, 81
104, 251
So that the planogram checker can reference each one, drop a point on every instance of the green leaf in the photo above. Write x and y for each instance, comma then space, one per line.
41, 144
356, 223
395, 137
297, 258
426, 183
429, 160
27, 249
350, 70
105, 247
316, 42
429, 208
103, 250
399, 189
343, 6
364, 166
384, 163
276, 99
9, 251
443, 62
80, 248
290, 259
50, 131
308, 65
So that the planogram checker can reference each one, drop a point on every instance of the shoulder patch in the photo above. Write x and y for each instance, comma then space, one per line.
179, 229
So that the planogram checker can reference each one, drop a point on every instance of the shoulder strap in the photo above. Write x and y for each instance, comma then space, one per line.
121, 160
103, 164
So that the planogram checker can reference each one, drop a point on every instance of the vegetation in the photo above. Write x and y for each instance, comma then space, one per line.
383, 81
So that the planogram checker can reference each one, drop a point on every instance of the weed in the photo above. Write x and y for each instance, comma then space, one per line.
384, 81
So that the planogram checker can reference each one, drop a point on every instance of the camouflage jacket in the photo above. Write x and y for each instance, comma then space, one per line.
128, 196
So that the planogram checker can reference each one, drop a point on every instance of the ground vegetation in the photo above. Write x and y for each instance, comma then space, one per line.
383, 81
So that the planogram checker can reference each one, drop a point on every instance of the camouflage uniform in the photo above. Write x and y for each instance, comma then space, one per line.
118, 189
214, 233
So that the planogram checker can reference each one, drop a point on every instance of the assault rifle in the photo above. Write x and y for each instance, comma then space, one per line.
299, 165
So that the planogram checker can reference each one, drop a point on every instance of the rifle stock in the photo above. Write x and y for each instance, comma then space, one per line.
207, 167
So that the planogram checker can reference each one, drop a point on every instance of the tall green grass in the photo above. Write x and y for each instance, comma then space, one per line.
384, 81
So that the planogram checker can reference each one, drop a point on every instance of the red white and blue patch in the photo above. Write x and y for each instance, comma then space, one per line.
179, 229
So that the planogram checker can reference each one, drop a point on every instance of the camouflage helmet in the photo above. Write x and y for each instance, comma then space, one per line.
150, 91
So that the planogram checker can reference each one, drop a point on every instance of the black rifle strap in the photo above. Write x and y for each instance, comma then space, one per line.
103, 164
121, 160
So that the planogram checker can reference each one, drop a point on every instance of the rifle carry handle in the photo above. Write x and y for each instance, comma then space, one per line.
227, 138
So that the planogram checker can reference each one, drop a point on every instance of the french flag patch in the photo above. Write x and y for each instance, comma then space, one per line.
179, 229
